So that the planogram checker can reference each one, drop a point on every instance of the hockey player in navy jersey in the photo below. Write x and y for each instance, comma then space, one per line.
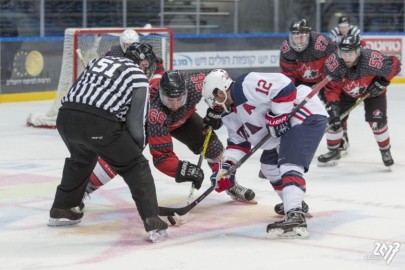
258, 103
356, 71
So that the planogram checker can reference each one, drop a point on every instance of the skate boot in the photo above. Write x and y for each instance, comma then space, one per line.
386, 157
292, 226
279, 208
156, 228
242, 194
344, 144
63, 217
329, 159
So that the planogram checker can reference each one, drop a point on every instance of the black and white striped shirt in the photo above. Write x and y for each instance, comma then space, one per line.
108, 83
336, 36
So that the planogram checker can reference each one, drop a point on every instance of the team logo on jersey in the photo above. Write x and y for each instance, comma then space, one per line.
377, 114
354, 89
309, 73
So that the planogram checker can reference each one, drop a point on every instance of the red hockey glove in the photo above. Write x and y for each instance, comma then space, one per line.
220, 177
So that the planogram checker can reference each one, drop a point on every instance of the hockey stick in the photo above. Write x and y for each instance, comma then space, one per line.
167, 211
200, 160
346, 113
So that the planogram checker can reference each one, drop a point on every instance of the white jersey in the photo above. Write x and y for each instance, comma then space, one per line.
254, 94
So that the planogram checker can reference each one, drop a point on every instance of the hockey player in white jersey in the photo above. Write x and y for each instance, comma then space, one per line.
258, 103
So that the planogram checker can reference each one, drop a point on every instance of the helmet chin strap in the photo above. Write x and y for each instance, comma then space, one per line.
223, 102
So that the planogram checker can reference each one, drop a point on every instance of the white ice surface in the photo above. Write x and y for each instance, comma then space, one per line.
356, 205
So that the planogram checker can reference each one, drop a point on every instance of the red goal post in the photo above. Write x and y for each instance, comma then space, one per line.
81, 45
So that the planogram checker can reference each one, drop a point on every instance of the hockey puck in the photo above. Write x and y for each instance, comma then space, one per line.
171, 220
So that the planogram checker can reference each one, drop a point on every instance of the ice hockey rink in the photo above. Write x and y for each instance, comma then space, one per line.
358, 209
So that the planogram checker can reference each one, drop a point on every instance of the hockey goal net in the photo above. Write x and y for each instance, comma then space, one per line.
81, 45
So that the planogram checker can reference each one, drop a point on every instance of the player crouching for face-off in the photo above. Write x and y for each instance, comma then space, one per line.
97, 126
172, 114
258, 103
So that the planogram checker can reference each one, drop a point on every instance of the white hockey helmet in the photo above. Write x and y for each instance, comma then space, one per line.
216, 80
128, 37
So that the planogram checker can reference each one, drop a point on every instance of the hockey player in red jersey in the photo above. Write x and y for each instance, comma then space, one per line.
172, 114
303, 54
356, 71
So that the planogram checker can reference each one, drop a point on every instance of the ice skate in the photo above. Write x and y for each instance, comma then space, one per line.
63, 217
344, 145
292, 226
387, 158
329, 159
242, 194
156, 228
279, 209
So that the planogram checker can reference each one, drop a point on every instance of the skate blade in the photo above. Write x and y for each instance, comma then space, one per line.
296, 233
307, 214
56, 222
328, 164
157, 236
252, 201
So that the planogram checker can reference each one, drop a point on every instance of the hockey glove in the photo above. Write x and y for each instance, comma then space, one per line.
378, 86
333, 110
189, 172
220, 177
213, 119
278, 124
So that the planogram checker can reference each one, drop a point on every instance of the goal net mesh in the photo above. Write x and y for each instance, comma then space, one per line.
82, 45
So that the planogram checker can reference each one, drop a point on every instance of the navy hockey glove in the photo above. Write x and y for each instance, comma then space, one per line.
333, 110
213, 119
220, 177
278, 124
189, 172
378, 86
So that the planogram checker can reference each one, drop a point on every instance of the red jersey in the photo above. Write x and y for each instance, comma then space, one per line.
306, 66
161, 121
354, 81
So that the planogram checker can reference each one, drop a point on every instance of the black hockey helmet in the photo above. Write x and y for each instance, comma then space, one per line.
172, 88
343, 20
300, 27
138, 52
349, 43
299, 35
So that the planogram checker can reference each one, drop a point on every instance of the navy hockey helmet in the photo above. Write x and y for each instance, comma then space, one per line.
172, 91
299, 35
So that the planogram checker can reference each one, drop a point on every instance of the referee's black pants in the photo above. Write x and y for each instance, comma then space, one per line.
88, 135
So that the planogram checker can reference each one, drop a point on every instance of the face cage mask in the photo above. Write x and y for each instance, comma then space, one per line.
351, 53
298, 48
211, 102
168, 101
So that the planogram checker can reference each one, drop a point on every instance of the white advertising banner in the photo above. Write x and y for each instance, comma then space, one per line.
226, 59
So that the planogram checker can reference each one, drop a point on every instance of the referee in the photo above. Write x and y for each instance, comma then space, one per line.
92, 123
